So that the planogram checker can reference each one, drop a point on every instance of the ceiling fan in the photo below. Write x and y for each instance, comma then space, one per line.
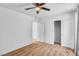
38, 7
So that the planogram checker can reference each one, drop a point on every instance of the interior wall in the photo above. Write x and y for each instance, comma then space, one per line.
15, 30
67, 29
49, 31
38, 31
34, 30
77, 31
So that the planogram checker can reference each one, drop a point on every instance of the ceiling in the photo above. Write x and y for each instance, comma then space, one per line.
56, 8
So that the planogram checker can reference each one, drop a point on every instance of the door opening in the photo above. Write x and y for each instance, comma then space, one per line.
57, 32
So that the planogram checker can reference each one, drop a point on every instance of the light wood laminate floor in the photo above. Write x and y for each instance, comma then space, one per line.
42, 49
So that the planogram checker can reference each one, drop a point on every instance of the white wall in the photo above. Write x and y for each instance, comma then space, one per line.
41, 32
15, 30
34, 30
48, 30
38, 31
67, 29
77, 32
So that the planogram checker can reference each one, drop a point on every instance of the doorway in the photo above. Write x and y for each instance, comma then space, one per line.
57, 32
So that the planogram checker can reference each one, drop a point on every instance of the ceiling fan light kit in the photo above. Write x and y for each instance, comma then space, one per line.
38, 7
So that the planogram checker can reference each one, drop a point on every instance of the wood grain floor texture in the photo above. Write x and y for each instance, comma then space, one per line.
42, 49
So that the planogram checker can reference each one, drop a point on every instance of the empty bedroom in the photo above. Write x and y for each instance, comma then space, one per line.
39, 29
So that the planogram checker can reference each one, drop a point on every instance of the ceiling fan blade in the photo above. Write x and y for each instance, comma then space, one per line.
41, 4
29, 8
36, 4
45, 9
